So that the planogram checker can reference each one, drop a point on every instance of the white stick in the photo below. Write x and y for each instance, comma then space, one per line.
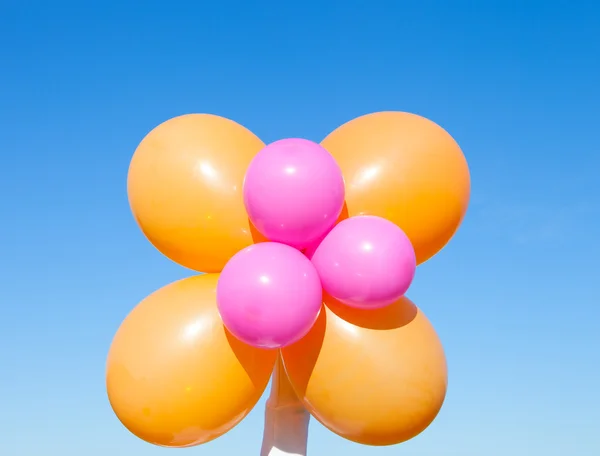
286, 420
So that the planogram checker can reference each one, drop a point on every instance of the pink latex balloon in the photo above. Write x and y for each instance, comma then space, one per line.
365, 262
293, 192
269, 295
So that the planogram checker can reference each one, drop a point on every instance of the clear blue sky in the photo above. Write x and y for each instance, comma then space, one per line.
514, 297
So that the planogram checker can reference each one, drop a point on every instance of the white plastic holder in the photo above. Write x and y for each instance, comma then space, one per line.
286, 419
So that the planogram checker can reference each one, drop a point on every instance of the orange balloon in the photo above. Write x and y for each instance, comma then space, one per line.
175, 377
407, 169
185, 189
376, 377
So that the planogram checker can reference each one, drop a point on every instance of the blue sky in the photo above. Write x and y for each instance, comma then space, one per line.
514, 296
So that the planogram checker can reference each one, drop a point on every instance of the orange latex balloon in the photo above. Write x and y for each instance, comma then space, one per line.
376, 377
407, 169
175, 377
185, 189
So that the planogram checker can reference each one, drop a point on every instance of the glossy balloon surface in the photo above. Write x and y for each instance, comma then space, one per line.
175, 377
269, 295
407, 169
293, 191
185, 189
376, 377
366, 262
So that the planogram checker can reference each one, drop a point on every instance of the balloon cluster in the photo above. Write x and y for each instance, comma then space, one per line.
269, 295
308, 250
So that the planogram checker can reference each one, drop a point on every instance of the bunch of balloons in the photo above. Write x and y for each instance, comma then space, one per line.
307, 252
269, 295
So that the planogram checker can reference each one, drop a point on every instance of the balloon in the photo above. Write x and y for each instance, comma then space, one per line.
175, 377
293, 192
269, 295
376, 377
185, 189
406, 169
366, 262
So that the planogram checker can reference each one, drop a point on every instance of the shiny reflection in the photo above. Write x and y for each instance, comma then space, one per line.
210, 175
194, 329
366, 175
207, 170
348, 329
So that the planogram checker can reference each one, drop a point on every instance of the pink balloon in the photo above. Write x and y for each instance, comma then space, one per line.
269, 295
293, 192
365, 262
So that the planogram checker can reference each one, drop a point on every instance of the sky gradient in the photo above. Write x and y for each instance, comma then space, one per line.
512, 296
